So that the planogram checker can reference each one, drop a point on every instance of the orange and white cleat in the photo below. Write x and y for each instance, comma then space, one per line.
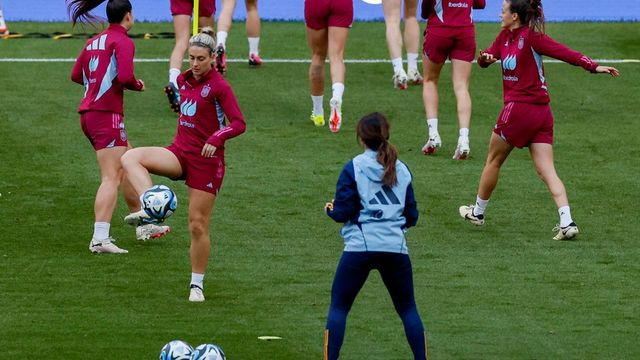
255, 60
335, 121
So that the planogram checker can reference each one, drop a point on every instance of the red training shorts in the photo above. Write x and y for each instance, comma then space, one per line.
521, 124
200, 173
452, 42
320, 14
185, 7
104, 129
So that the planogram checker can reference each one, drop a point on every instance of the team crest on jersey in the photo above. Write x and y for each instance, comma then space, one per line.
205, 91
123, 135
520, 43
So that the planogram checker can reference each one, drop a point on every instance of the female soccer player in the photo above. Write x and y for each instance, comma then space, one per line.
450, 34
105, 68
328, 23
374, 199
197, 152
182, 11
252, 27
392, 10
526, 119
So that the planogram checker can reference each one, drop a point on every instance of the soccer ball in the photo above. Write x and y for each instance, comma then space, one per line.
208, 352
176, 350
159, 202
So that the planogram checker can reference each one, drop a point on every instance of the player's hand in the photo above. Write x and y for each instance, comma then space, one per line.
487, 58
141, 83
328, 206
208, 150
608, 70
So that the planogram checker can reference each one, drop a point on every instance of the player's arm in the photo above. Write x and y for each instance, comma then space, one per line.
125, 51
237, 125
76, 72
490, 55
426, 8
479, 4
410, 211
346, 204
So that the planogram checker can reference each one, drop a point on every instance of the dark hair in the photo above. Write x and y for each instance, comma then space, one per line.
79, 10
530, 13
373, 130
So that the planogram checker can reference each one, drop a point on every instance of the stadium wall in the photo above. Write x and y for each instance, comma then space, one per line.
292, 10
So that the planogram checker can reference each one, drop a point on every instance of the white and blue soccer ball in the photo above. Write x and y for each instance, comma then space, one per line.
159, 202
176, 350
208, 352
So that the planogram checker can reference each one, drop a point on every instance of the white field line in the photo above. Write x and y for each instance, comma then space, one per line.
276, 61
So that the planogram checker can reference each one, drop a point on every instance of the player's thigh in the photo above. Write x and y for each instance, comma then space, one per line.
431, 70
200, 205
397, 275
157, 160
542, 156
251, 3
318, 41
182, 29
391, 9
337, 40
410, 8
460, 72
109, 160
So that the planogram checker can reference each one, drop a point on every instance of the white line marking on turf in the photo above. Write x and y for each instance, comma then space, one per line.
277, 61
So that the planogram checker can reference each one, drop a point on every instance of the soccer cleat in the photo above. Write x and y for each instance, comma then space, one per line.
105, 246
400, 79
432, 144
195, 293
414, 77
174, 97
138, 218
318, 120
151, 231
335, 121
566, 233
221, 60
255, 60
467, 213
462, 150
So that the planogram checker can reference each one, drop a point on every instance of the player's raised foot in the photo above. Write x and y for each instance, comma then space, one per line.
221, 60
335, 121
433, 143
414, 77
105, 246
467, 213
400, 79
462, 150
151, 231
196, 294
138, 218
174, 97
568, 232
255, 60
318, 120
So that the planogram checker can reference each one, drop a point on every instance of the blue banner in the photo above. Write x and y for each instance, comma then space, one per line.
293, 10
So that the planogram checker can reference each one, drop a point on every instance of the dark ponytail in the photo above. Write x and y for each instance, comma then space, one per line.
79, 10
530, 13
373, 131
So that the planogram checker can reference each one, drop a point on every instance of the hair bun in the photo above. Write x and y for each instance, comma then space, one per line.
207, 30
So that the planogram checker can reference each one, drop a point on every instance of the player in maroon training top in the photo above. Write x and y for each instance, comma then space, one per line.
197, 152
450, 34
526, 118
105, 68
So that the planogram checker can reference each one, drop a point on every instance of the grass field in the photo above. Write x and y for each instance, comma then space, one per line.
503, 291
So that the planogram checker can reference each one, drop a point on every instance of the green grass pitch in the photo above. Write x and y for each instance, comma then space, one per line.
503, 291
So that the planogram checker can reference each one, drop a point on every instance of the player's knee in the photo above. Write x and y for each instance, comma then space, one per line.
198, 226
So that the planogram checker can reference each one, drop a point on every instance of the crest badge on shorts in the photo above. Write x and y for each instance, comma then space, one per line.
205, 91
520, 43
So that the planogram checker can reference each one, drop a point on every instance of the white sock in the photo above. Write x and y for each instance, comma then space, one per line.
338, 90
317, 105
481, 205
464, 132
173, 76
101, 230
397, 64
412, 61
222, 38
565, 216
432, 125
197, 279
253, 45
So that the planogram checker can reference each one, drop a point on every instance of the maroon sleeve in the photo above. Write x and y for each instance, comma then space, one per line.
236, 126
76, 73
494, 50
125, 51
479, 4
425, 11
545, 45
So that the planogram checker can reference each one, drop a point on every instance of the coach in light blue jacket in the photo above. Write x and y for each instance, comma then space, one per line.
374, 199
